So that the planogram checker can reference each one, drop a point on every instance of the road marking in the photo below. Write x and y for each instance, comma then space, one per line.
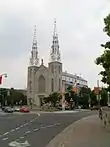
36, 129
5, 139
22, 137
5, 133
17, 128
27, 132
12, 130
17, 144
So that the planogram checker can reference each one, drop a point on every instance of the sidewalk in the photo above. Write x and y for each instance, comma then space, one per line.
87, 132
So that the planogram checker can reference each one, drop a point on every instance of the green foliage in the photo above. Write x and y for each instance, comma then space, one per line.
104, 97
93, 98
104, 59
53, 98
13, 97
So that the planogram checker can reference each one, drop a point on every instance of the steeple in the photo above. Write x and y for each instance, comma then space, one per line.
34, 60
55, 53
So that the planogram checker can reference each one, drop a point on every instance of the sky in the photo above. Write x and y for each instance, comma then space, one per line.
79, 26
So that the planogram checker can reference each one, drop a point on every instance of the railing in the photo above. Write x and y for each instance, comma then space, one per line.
104, 115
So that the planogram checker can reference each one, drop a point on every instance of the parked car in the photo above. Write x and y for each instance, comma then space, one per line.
8, 110
3, 107
17, 109
25, 109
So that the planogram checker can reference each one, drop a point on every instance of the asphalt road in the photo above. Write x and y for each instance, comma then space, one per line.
37, 130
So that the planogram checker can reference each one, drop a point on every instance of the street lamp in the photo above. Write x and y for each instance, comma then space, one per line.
108, 99
71, 102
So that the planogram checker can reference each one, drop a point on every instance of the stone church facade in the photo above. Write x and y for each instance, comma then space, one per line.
43, 80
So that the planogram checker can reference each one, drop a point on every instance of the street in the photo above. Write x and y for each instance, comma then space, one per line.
32, 130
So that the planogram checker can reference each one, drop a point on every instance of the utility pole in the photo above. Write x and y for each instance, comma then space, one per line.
63, 96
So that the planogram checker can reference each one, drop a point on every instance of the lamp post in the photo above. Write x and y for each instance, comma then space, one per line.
71, 102
63, 96
108, 99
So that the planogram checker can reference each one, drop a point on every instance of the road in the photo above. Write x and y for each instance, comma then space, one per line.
37, 130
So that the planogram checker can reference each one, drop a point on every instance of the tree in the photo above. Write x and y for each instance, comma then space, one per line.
53, 98
93, 98
104, 97
104, 59
84, 96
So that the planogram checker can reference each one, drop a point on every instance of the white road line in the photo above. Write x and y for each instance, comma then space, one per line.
5, 139
12, 130
22, 137
36, 129
5, 133
21, 126
27, 132
17, 128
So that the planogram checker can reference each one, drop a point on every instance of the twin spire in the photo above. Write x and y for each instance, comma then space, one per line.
55, 53
34, 60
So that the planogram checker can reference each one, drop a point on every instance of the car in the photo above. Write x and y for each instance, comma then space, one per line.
17, 109
8, 110
24, 109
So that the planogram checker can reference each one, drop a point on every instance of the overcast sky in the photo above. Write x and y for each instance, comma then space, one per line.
80, 28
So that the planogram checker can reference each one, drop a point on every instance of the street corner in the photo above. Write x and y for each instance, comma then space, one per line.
85, 131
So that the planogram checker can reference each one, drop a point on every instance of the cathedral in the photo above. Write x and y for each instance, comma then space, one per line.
43, 80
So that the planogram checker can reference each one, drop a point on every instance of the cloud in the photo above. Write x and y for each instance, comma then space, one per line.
80, 28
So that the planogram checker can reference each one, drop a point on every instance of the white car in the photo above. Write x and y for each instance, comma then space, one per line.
17, 109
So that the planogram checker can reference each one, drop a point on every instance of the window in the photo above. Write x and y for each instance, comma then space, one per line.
59, 84
52, 85
59, 69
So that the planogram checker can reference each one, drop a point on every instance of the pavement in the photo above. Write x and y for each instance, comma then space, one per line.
87, 132
33, 130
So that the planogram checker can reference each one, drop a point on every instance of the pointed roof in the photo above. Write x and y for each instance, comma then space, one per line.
55, 53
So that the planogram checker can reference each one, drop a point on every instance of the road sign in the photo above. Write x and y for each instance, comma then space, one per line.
17, 144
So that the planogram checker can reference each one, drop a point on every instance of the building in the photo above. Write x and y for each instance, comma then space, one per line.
70, 80
42, 80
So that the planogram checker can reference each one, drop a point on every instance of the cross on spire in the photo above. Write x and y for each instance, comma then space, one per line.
55, 28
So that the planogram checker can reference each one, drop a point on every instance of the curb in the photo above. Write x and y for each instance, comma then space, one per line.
58, 141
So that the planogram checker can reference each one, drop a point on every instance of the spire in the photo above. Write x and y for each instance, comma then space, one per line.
34, 60
55, 53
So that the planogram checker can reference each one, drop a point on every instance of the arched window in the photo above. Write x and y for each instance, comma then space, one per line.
59, 84
52, 85
41, 84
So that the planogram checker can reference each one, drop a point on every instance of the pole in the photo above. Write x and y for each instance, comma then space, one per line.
63, 97
108, 99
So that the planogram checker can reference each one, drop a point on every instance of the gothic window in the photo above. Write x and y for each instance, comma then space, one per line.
41, 84
59, 69
59, 84
52, 85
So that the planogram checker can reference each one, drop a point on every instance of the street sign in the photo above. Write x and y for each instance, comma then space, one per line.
17, 144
